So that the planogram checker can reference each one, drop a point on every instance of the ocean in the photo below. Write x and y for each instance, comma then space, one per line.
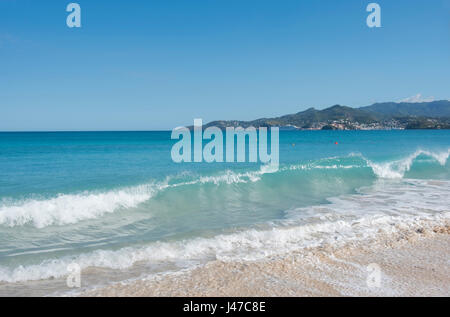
116, 205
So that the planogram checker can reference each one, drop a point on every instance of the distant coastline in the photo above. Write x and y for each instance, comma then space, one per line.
379, 116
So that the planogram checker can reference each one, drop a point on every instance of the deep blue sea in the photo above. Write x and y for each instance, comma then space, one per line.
117, 205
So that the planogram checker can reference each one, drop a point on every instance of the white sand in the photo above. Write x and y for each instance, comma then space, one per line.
412, 263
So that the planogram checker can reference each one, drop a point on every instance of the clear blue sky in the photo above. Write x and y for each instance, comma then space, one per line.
140, 65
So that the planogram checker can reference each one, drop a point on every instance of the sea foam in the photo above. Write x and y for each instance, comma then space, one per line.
71, 208
387, 208
398, 168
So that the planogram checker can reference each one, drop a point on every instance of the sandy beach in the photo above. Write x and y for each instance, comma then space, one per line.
414, 262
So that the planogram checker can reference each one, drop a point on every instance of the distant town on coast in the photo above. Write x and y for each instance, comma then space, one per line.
379, 116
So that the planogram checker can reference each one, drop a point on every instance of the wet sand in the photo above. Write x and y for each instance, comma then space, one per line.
411, 263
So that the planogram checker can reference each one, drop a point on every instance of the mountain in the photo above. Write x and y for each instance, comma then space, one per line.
434, 109
388, 115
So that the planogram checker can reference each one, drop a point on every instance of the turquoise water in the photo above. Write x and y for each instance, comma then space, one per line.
116, 204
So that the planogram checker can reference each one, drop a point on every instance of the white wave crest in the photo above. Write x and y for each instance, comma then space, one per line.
398, 168
71, 208
230, 177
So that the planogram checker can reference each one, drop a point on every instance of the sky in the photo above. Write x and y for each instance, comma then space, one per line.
156, 65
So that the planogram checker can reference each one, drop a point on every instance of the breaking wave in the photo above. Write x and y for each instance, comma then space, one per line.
398, 168
72, 208
387, 208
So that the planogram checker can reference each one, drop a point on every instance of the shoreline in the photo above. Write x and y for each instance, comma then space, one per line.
412, 262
